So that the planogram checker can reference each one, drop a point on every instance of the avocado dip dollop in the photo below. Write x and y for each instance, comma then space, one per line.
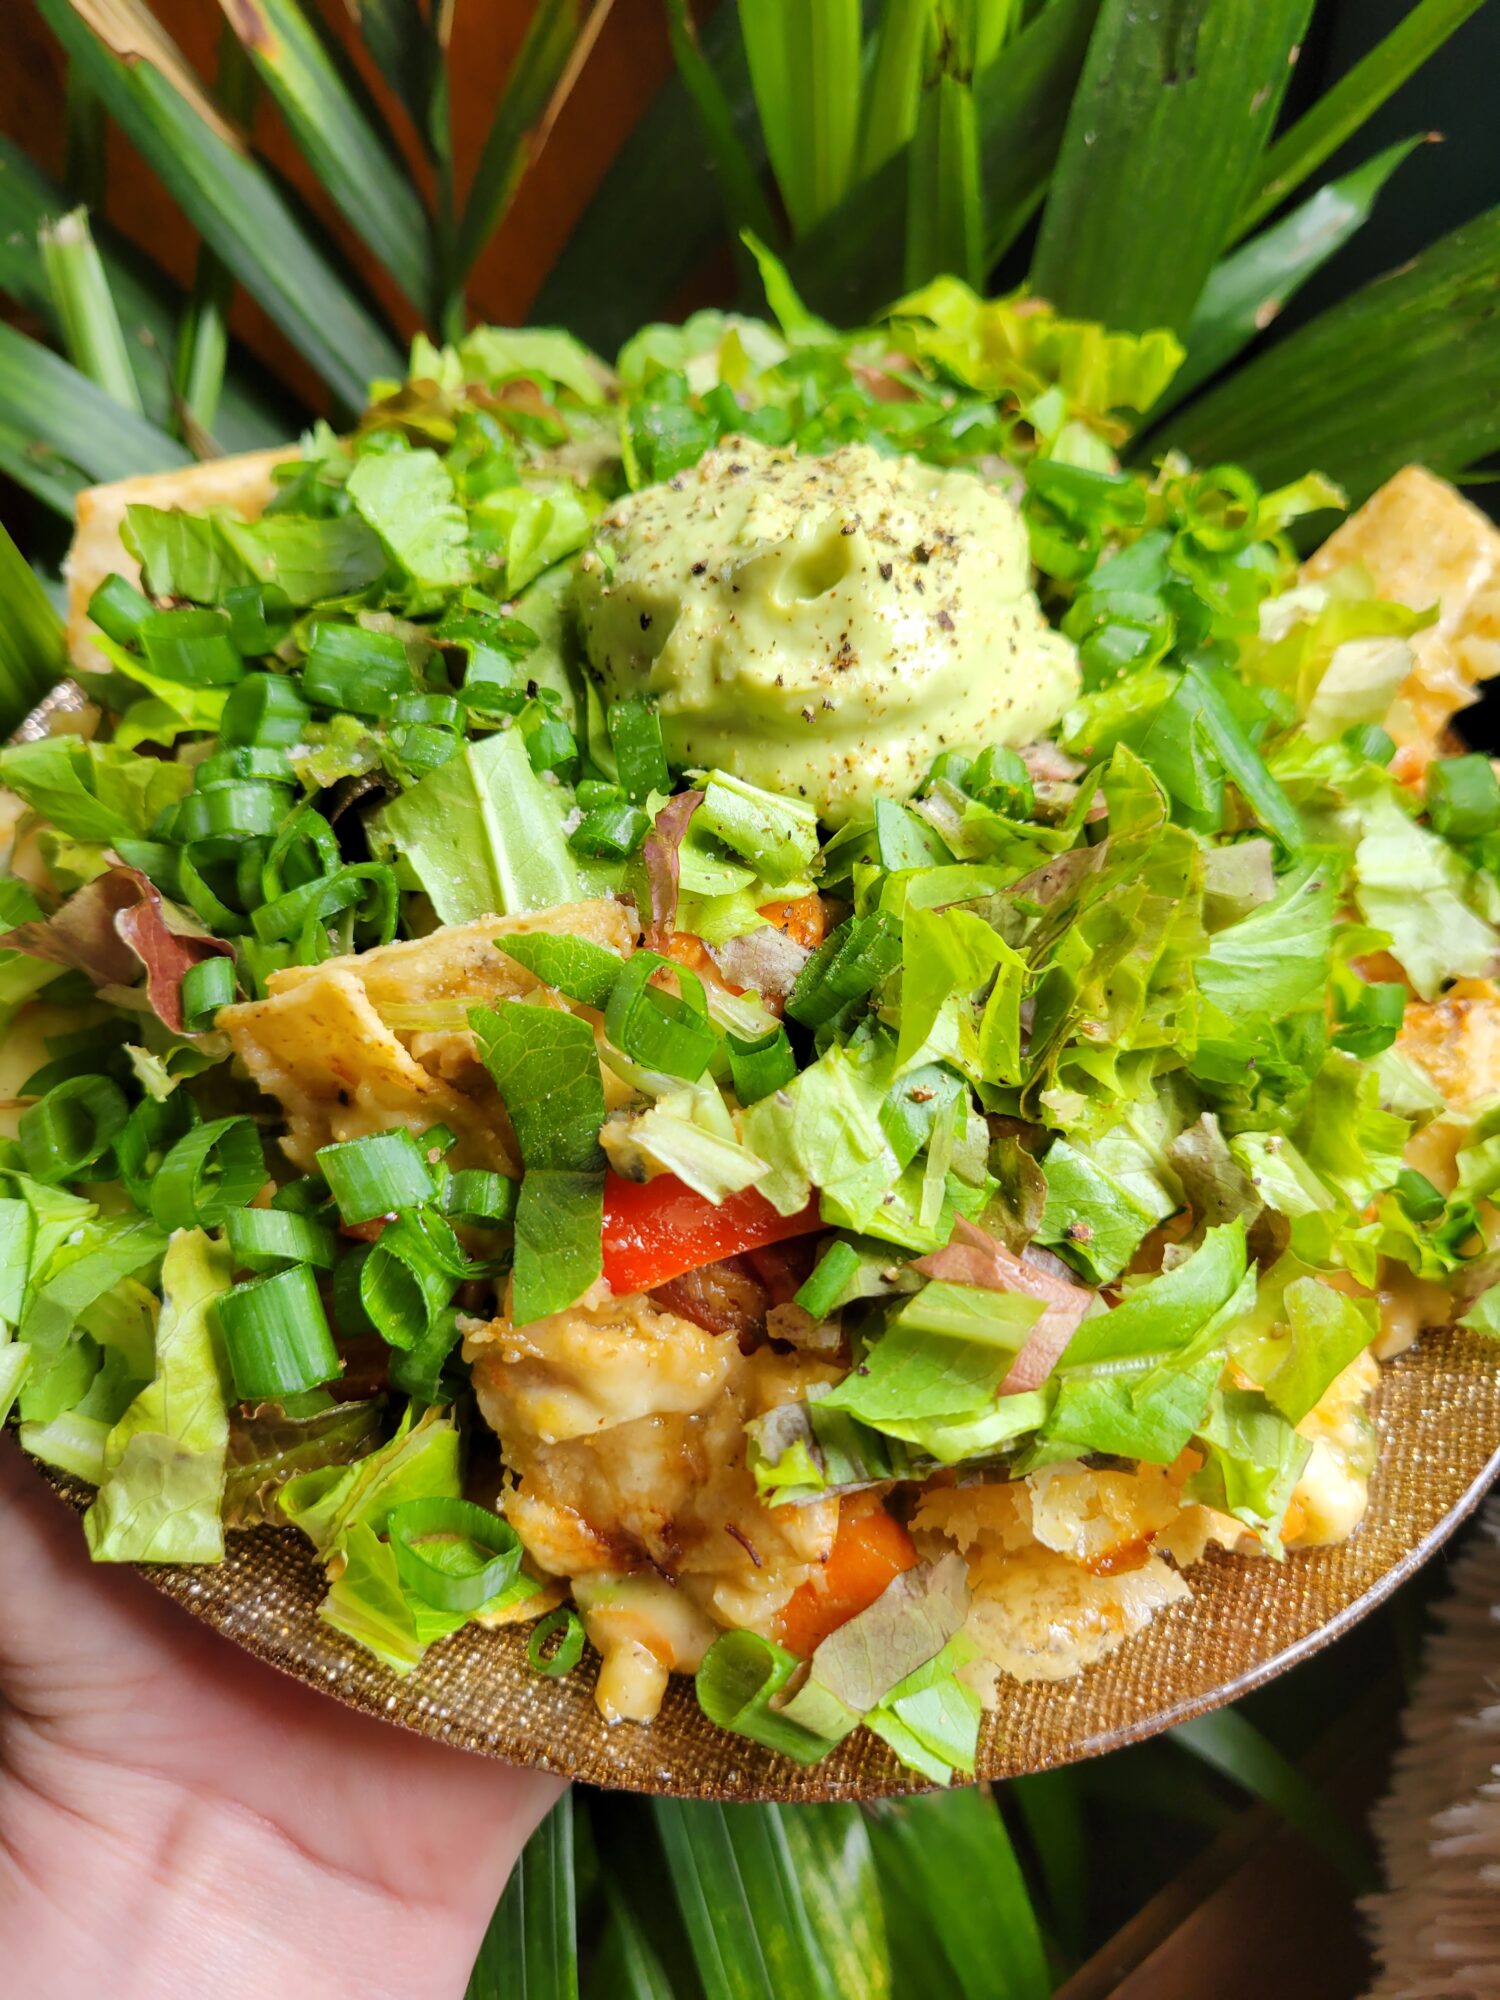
822, 625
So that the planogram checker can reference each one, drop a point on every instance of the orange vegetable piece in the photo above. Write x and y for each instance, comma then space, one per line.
802, 919
869, 1551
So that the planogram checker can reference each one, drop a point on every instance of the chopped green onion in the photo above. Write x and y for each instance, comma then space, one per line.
845, 967
377, 1175
824, 1286
1417, 1195
565, 1655
635, 737
740, 1676
200, 895
212, 1169
119, 610
305, 850
1370, 741
277, 1337
476, 1195
363, 672
1463, 796
443, 711
1001, 781
264, 709
206, 987
368, 888
760, 1066
1372, 1021
71, 1128
306, 1195
424, 748
552, 746
234, 811
418, 1371
151, 1131
438, 1582
349, 1314
402, 1289
191, 646
1244, 763
259, 614
611, 832
264, 1239
655, 1028
243, 760
437, 1139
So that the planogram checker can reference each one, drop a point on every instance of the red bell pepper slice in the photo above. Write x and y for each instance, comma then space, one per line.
658, 1229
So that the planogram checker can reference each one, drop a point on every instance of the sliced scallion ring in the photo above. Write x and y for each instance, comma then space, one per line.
206, 987
453, 1580
264, 1239
72, 1127
211, 1170
276, 1336
568, 1651
377, 1175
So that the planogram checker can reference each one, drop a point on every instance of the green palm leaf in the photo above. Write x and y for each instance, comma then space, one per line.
92, 336
370, 187
539, 66
1134, 224
951, 1858
757, 1919
658, 212
1228, 1743
31, 637
232, 201
852, 264
252, 411
1247, 290
63, 415
530, 1951
1341, 111
745, 203
1405, 369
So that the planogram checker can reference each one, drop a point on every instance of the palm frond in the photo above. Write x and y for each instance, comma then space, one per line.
1342, 110
92, 336
65, 417
658, 211
745, 204
852, 263
952, 1859
1250, 287
371, 189
31, 637
945, 196
530, 1951
1161, 93
232, 201
252, 412
1404, 369
757, 1921
542, 62
1230, 1744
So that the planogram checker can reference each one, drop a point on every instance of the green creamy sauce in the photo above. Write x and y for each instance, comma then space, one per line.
823, 626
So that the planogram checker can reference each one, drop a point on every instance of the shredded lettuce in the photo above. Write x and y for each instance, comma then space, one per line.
161, 1495
483, 834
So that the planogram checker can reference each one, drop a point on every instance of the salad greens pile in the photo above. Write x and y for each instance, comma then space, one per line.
1068, 995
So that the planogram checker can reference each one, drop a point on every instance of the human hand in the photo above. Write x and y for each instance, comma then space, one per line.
177, 1819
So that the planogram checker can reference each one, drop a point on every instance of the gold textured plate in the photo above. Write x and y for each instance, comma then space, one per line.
1437, 1411
1438, 1415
